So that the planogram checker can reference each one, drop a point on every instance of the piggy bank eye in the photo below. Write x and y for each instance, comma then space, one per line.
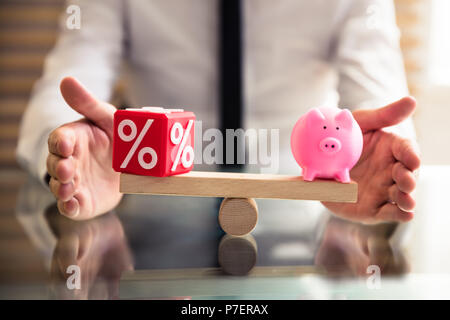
337, 128
324, 127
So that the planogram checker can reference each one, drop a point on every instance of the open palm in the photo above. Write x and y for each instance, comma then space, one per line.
384, 172
80, 154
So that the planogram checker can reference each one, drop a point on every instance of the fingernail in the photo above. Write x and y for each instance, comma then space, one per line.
70, 213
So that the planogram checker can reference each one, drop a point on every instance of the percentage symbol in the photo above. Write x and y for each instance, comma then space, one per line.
129, 137
179, 137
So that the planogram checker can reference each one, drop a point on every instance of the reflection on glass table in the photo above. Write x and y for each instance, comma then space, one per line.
173, 248
89, 256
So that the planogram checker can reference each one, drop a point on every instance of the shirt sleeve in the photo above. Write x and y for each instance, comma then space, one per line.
368, 56
92, 54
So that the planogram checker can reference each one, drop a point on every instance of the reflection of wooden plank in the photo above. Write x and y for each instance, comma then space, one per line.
212, 282
201, 273
240, 185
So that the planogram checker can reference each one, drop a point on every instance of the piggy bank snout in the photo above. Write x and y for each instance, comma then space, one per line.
330, 145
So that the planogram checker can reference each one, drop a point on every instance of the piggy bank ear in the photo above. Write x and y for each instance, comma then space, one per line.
314, 117
344, 118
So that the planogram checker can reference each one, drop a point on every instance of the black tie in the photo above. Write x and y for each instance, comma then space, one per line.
230, 70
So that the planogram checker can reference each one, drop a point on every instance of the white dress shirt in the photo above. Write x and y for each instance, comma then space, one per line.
298, 54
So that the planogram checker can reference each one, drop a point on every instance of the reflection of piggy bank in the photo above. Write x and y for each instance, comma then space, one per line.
327, 143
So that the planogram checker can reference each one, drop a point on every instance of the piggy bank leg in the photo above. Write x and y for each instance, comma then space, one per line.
309, 174
343, 176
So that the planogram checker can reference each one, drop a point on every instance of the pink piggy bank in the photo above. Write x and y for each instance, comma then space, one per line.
327, 143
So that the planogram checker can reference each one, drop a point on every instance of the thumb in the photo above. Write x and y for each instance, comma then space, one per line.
392, 114
82, 101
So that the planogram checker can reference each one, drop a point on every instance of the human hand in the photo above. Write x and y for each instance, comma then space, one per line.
80, 157
385, 171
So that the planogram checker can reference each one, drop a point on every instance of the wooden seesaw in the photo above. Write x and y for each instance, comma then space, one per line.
238, 212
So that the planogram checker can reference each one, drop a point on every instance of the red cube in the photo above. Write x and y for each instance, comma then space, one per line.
153, 141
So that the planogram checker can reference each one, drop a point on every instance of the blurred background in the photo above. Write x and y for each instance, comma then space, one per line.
28, 30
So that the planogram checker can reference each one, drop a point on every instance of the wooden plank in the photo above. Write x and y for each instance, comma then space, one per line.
240, 185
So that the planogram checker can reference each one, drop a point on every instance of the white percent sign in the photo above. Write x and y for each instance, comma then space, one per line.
129, 137
179, 137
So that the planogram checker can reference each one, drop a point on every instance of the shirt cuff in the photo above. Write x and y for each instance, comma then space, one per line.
43, 175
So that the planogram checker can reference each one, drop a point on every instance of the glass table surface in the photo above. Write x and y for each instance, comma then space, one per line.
160, 247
